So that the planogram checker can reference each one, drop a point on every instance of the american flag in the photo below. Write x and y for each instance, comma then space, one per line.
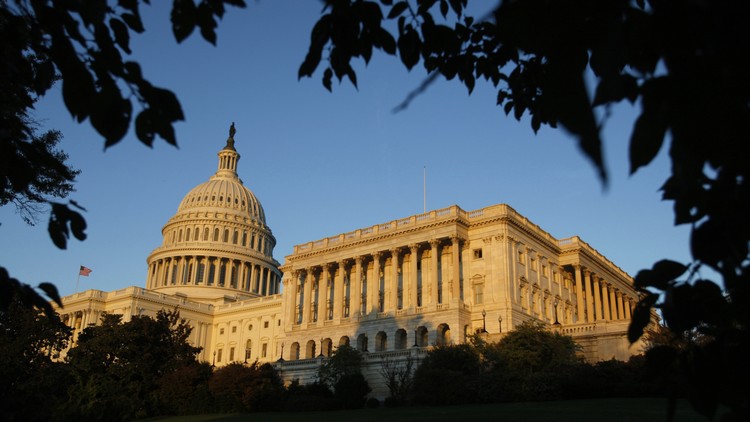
84, 271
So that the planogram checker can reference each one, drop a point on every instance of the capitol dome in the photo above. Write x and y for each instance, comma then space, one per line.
217, 246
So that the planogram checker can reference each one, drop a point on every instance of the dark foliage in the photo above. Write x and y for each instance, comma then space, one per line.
32, 384
241, 387
118, 367
448, 375
350, 391
309, 397
528, 364
185, 391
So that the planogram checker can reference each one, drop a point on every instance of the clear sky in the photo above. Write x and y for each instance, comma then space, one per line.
321, 163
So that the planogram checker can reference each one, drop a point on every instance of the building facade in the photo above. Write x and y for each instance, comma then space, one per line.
390, 290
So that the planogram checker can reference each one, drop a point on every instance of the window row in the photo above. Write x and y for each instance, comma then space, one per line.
218, 355
260, 243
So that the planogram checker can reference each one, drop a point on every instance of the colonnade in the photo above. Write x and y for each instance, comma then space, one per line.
598, 299
199, 270
384, 281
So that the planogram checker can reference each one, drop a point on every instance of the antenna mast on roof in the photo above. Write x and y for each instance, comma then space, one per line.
424, 189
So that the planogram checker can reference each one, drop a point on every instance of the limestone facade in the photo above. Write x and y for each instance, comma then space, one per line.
391, 290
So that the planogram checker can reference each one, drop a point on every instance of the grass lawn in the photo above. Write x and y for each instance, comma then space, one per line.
639, 409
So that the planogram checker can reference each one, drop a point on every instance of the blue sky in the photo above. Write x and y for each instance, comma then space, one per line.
321, 163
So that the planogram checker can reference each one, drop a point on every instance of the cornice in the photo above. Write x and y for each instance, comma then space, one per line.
378, 238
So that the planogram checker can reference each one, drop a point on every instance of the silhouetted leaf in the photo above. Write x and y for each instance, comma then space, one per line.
384, 40
641, 317
647, 138
144, 127
51, 291
60, 217
660, 275
408, 47
397, 9
110, 115
134, 22
184, 19
327, 75
206, 22
122, 38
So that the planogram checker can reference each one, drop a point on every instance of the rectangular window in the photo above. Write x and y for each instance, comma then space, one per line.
218, 355
231, 354
520, 257
221, 331
234, 329
478, 294
264, 349
265, 324
478, 253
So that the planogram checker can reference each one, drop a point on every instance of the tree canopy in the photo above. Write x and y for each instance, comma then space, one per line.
118, 366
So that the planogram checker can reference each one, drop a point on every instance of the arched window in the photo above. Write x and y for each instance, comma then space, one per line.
310, 349
248, 350
362, 342
226, 235
344, 341
326, 347
235, 237
421, 336
216, 235
294, 351
443, 335
400, 340
244, 238
187, 235
179, 236
195, 236
381, 342
205, 234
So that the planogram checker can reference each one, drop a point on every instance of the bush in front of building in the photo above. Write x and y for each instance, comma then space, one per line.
241, 387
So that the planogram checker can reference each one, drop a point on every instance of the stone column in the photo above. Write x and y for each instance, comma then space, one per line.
373, 286
597, 298
292, 288
579, 294
323, 292
456, 283
620, 310
268, 281
589, 297
356, 291
307, 293
217, 270
414, 276
605, 297
338, 291
393, 287
628, 306
613, 302
434, 248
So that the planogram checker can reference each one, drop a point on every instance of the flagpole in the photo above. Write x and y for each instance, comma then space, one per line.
79, 279
424, 189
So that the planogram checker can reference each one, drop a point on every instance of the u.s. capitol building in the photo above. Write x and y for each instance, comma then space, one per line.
391, 290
